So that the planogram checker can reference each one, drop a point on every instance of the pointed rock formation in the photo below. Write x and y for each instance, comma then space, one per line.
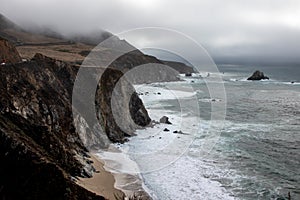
8, 53
257, 75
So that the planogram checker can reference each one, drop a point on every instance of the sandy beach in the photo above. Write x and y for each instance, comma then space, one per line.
113, 186
102, 182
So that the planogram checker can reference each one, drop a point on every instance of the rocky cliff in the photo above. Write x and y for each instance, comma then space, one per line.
122, 110
8, 52
40, 147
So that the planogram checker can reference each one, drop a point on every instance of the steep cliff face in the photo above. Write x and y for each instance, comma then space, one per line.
28, 171
40, 149
122, 110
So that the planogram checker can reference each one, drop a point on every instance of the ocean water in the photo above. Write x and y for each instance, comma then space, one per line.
254, 153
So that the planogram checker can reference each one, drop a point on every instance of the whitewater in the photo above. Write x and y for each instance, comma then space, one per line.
255, 154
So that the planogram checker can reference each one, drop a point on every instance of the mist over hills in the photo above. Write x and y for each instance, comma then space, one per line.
20, 36
73, 47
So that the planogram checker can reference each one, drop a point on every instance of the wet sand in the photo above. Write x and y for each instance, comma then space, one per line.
102, 182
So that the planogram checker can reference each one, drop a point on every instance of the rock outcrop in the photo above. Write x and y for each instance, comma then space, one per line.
121, 108
257, 75
164, 120
40, 149
8, 52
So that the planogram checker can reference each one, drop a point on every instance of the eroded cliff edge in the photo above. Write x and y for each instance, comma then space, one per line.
41, 151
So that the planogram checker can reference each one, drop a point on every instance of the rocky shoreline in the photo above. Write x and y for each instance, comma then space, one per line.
40, 146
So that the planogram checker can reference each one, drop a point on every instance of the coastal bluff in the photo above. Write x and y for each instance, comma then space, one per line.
41, 151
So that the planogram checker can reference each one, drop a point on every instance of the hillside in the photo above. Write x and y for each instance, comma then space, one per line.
42, 41
18, 36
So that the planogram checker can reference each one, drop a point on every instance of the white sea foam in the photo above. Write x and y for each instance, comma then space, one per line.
150, 93
185, 179
161, 158
172, 165
265, 81
175, 174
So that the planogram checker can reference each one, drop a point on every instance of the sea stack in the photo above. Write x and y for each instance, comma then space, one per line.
257, 75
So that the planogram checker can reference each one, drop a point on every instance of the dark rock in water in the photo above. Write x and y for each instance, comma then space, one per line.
137, 110
257, 75
178, 132
292, 82
165, 120
188, 74
166, 130
159, 93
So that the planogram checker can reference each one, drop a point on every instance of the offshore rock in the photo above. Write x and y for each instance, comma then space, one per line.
257, 75
165, 120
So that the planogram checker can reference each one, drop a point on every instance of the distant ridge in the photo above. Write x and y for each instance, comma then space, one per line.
18, 36
179, 66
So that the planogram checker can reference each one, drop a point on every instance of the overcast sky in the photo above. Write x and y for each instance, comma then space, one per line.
231, 30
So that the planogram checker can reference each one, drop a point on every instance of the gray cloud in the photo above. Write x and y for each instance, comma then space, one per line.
231, 30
